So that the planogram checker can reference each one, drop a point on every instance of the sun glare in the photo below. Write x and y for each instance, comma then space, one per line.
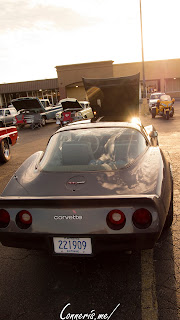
136, 121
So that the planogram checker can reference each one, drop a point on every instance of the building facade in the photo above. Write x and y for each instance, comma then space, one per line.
160, 75
46, 89
70, 77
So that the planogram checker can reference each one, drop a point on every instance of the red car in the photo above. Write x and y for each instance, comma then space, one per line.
8, 136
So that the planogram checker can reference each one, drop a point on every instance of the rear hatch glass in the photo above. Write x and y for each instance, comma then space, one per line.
97, 149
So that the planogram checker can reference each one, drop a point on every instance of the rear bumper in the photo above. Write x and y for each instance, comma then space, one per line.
100, 243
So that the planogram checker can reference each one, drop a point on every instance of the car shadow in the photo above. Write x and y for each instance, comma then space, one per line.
39, 286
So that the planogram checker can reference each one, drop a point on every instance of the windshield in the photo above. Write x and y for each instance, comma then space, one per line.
97, 149
165, 97
156, 96
84, 104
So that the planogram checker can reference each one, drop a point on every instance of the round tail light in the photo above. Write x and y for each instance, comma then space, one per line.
116, 219
4, 218
24, 219
142, 218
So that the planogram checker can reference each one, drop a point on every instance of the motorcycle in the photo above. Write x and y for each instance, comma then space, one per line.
163, 107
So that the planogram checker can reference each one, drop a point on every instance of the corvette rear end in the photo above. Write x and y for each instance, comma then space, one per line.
81, 226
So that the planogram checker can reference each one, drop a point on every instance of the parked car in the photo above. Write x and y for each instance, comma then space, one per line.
94, 188
154, 97
164, 107
73, 110
8, 136
7, 116
46, 103
87, 112
29, 105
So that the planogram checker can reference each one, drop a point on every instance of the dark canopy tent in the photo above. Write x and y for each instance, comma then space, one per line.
115, 99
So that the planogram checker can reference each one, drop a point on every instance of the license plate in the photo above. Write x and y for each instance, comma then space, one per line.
72, 245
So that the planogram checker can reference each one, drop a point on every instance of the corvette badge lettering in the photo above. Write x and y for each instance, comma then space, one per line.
74, 217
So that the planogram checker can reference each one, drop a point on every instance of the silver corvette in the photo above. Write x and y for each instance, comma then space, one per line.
100, 186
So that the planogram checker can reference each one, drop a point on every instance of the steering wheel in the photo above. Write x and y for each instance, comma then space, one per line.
94, 146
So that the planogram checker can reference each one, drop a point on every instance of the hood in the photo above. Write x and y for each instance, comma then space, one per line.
26, 103
70, 103
116, 99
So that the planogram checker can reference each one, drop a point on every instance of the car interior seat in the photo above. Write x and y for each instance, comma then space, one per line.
76, 153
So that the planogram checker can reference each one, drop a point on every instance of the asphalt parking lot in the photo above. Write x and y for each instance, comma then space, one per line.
142, 285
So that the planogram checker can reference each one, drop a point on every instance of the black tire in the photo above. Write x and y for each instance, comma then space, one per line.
1, 124
169, 218
153, 112
43, 122
172, 112
167, 115
4, 151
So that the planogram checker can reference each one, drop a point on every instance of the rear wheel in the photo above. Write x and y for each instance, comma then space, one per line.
167, 115
4, 151
153, 112
1, 124
169, 218
172, 112
43, 121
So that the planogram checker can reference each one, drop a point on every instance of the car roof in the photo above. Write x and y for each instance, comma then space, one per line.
99, 125
154, 93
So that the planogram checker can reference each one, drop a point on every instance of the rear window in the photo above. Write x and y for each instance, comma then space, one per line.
155, 96
97, 149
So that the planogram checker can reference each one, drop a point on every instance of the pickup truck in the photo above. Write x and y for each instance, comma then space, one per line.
32, 105
8, 136
7, 116
73, 110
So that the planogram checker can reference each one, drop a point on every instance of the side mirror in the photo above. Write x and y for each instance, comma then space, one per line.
154, 138
153, 134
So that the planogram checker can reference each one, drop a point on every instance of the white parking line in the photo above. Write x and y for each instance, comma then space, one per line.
149, 305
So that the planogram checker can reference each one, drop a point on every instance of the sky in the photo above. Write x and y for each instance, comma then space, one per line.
38, 35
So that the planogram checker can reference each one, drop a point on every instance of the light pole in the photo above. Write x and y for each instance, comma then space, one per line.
144, 83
